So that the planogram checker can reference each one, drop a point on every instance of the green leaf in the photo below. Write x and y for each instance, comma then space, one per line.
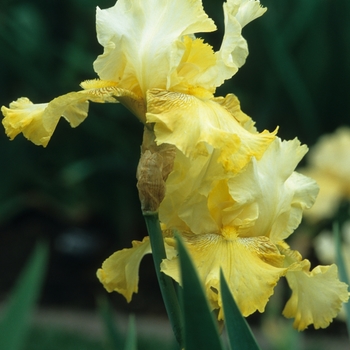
14, 324
166, 284
201, 331
238, 330
343, 274
114, 338
131, 339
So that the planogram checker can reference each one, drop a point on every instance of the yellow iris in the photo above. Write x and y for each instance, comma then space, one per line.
153, 64
238, 222
232, 193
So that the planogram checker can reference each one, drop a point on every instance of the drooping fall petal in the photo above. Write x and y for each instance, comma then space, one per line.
252, 267
37, 122
317, 295
195, 126
120, 272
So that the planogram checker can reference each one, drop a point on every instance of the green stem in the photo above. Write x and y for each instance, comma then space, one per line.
165, 282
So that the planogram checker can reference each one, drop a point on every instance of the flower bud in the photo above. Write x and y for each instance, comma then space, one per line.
156, 163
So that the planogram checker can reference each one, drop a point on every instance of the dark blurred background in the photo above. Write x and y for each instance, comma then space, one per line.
79, 193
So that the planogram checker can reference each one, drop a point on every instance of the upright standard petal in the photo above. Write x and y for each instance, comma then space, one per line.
280, 193
141, 40
317, 295
234, 49
187, 190
195, 126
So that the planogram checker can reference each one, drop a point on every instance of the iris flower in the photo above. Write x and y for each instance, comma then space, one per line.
238, 222
329, 165
154, 65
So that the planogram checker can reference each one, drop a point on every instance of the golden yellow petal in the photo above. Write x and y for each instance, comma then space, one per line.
197, 58
232, 103
109, 91
24, 116
252, 267
141, 40
194, 125
187, 190
317, 296
120, 272
37, 122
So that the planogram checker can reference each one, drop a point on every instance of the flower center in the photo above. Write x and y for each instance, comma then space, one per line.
229, 232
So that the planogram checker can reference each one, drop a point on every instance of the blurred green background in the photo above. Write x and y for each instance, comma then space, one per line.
79, 193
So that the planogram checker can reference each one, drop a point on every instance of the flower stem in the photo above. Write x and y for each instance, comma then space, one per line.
165, 282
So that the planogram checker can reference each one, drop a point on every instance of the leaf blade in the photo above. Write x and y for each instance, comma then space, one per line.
200, 329
239, 333
15, 322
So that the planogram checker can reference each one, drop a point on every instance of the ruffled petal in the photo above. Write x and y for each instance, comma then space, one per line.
24, 116
317, 295
120, 272
234, 50
187, 189
142, 40
252, 267
109, 91
280, 194
37, 122
192, 124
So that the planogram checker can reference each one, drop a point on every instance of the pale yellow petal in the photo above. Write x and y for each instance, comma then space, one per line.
317, 296
248, 11
234, 50
120, 272
281, 194
329, 165
329, 197
252, 267
331, 155
141, 40
228, 212
192, 124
